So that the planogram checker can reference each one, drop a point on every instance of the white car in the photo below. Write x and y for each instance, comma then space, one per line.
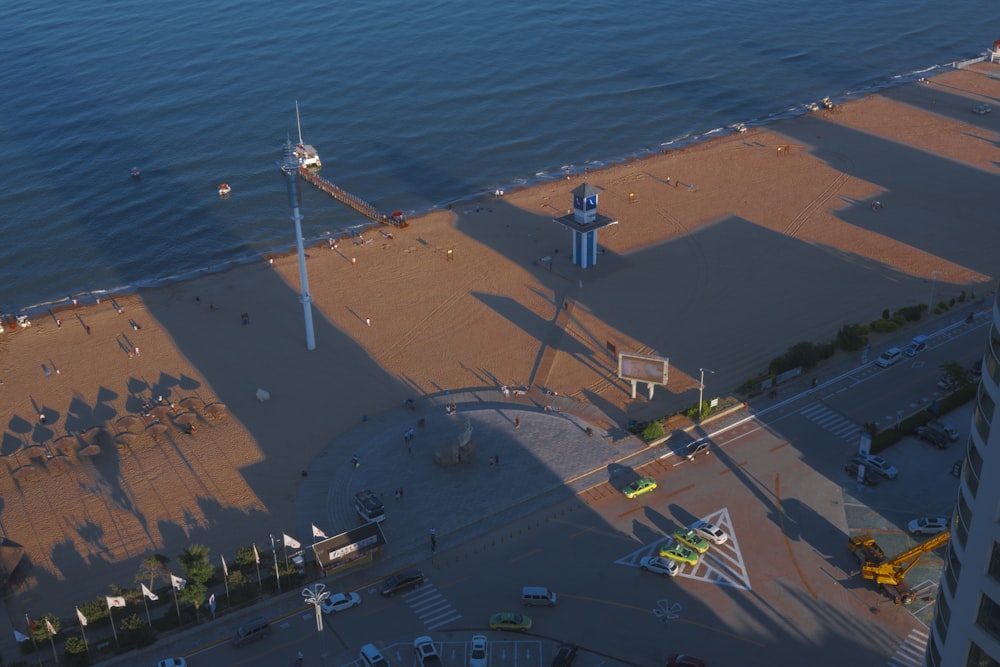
928, 525
340, 602
878, 464
710, 532
372, 657
891, 356
660, 565
478, 652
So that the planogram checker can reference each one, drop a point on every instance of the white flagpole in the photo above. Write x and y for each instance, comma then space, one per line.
111, 617
176, 603
225, 575
277, 574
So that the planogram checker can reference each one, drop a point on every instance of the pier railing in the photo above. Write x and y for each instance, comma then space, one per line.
346, 198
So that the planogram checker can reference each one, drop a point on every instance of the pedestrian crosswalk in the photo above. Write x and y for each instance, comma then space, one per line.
430, 606
911, 652
831, 421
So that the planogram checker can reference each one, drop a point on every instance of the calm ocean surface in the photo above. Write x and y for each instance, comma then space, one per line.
411, 105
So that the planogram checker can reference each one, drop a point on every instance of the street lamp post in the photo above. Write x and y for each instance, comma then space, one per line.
701, 388
930, 300
315, 597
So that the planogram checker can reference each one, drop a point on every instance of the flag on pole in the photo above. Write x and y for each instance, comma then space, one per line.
79, 615
177, 582
148, 593
291, 542
256, 554
115, 601
225, 570
20, 637
317, 533
48, 626
31, 623
211, 604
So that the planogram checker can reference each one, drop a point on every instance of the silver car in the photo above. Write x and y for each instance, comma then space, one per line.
710, 532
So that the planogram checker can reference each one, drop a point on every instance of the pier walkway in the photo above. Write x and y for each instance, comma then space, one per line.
346, 198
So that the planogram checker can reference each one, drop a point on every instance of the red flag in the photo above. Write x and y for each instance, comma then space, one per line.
31, 623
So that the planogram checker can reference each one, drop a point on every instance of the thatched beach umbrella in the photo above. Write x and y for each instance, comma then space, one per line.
129, 423
90, 450
59, 464
66, 445
192, 403
96, 435
35, 452
26, 473
126, 438
186, 418
156, 429
160, 412
216, 410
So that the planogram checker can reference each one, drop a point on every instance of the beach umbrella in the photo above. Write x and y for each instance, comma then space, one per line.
90, 450
216, 410
192, 403
129, 423
96, 435
126, 438
156, 429
59, 464
35, 452
66, 444
25, 473
186, 418
160, 412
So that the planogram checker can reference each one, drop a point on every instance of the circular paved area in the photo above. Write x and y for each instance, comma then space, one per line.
548, 457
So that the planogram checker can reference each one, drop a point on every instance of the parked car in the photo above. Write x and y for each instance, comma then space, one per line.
891, 356
565, 655
948, 429
947, 383
510, 620
878, 464
659, 565
937, 438
679, 553
682, 660
710, 531
172, 662
695, 449
639, 487
372, 657
870, 477
340, 602
478, 654
425, 652
691, 540
928, 525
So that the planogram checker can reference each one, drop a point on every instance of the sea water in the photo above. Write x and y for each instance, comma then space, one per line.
412, 106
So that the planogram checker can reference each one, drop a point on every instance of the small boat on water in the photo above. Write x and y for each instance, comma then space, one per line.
224, 189
136, 173
304, 153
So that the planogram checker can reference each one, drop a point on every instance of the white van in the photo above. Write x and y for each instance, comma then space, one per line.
889, 357
916, 346
537, 596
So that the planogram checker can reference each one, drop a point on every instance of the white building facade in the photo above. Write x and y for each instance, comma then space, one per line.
966, 627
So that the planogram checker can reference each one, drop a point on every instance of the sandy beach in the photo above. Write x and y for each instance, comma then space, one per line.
724, 255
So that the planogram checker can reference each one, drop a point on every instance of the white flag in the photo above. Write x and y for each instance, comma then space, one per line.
317, 533
177, 582
115, 601
291, 542
79, 615
148, 593
48, 626
256, 554
225, 570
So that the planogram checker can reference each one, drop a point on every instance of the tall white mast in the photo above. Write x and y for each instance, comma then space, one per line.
298, 122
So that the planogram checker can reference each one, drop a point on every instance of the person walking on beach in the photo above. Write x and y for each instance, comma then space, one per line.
355, 461
517, 422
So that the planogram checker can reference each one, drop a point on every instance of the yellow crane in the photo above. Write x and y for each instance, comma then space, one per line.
890, 573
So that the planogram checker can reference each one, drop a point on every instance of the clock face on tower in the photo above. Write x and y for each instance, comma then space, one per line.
592, 202
577, 202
